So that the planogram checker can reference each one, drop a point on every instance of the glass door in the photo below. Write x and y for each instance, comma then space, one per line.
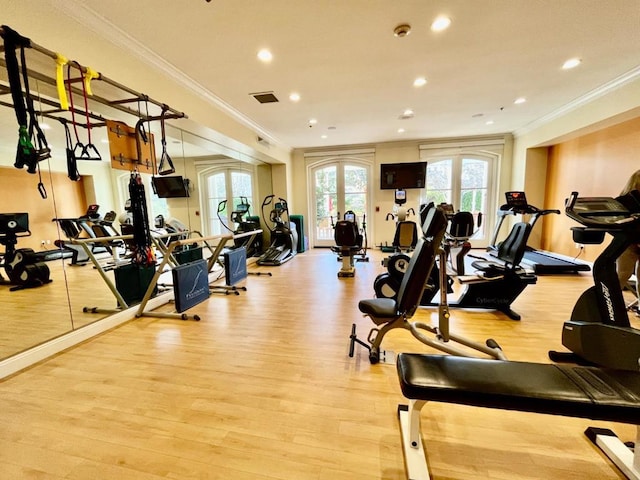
339, 186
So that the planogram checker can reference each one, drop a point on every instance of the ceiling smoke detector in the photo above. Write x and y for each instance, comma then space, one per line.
402, 30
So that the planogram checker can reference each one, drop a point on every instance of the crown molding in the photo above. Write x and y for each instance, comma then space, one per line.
121, 39
589, 97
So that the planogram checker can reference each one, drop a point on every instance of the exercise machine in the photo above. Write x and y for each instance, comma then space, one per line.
599, 331
494, 285
388, 314
351, 242
21, 265
599, 334
539, 261
406, 233
76, 228
572, 391
457, 237
242, 225
284, 237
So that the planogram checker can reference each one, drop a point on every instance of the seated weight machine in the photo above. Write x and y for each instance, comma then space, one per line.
351, 242
390, 313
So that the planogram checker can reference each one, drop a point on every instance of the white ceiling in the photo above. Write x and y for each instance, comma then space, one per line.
353, 74
355, 77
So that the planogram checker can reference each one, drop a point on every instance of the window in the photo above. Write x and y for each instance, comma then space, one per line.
339, 184
225, 188
466, 180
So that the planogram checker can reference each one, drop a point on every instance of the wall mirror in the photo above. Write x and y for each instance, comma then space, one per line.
35, 315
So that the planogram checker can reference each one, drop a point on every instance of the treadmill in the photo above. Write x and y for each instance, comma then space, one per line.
540, 261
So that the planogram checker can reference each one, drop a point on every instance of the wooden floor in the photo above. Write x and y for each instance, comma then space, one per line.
262, 388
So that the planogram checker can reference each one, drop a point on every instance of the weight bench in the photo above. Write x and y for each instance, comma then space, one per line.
584, 392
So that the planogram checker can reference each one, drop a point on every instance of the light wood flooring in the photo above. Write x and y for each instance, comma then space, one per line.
262, 388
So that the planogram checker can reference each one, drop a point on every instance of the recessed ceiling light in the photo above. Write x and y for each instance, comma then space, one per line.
401, 130
419, 82
571, 63
294, 97
489, 122
265, 55
440, 23
313, 121
520, 100
45, 126
323, 136
407, 113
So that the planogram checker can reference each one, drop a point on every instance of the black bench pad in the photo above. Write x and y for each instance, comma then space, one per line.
586, 392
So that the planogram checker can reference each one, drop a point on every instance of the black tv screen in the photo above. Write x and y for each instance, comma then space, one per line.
14, 223
395, 176
171, 187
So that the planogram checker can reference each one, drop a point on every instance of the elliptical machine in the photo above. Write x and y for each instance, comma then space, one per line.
599, 331
243, 225
284, 237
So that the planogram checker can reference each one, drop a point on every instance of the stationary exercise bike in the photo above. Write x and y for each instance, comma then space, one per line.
284, 237
599, 331
494, 285
351, 242
21, 265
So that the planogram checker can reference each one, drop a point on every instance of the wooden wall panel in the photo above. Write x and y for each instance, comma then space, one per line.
20, 194
597, 164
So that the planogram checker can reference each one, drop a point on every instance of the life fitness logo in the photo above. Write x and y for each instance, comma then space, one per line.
196, 292
608, 301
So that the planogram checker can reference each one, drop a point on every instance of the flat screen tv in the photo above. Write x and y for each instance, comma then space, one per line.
171, 187
394, 176
11, 223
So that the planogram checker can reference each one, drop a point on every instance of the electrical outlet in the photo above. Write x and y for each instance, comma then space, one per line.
43, 242
580, 246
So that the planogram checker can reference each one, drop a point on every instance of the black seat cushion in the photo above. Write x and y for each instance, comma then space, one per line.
587, 392
379, 307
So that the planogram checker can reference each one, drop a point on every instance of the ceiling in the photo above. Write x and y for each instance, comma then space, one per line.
356, 78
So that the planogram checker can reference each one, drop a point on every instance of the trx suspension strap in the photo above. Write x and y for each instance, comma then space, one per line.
26, 154
165, 156
72, 165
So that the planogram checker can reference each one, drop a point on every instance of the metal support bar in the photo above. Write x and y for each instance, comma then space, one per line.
221, 239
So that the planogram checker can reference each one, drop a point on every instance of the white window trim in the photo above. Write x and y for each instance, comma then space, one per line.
313, 160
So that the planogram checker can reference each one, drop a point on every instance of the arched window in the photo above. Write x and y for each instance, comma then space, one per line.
222, 184
338, 184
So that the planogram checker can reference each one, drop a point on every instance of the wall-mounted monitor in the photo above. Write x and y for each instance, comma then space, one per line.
12, 223
171, 187
394, 176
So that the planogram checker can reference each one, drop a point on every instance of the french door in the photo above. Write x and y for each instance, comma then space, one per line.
467, 182
226, 184
338, 186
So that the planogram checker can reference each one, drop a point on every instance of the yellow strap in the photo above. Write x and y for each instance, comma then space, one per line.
61, 61
89, 75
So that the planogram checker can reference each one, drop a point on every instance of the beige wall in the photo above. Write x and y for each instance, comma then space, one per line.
597, 164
